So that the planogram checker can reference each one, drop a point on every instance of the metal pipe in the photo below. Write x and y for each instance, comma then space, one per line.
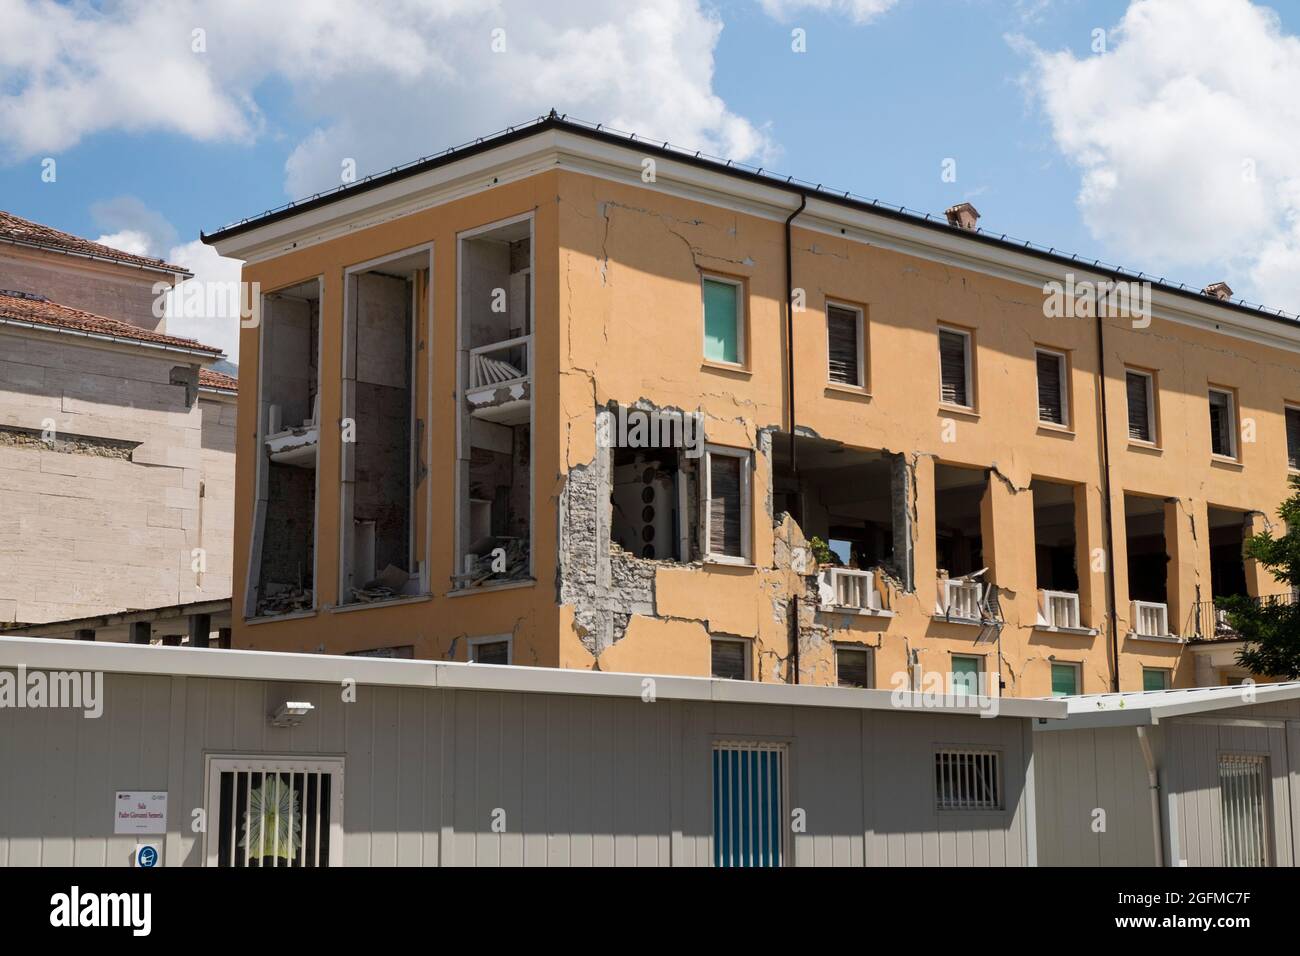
1108, 524
789, 337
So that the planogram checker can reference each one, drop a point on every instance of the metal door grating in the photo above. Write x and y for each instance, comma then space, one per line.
269, 813
748, 804
1243, 799
968, 780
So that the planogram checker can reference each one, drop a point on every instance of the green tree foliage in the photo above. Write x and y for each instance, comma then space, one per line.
1271, 626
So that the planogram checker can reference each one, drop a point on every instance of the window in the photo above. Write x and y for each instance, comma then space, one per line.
723, 321
1243, 799
1293, 438
489, 650
1053, 400
955, 368
844, 340
1223, 424
749, 817
968, 780
1141, 406
853, 666
274, 811
966, 674
1155, 678
729, 659
1065, 679
726, 511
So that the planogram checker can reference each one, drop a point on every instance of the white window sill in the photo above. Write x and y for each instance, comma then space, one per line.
291, 616
860, 611
725, 561
1157, 638
387, 602
939, 616
503, 586
1078, 631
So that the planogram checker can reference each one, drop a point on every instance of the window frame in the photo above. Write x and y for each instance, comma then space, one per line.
868, 652
1153, 412
968, 335
746, 457
1063, 363
742, 340
1076, 667
1289, 409
215, 764
1166, 672
477, 642
1234, 426
861, 314
747, 656
952, 672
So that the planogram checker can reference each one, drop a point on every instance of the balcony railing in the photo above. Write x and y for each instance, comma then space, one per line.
1058, 609
1210, 622
501, 363
960, 599
1150, 619
848, 589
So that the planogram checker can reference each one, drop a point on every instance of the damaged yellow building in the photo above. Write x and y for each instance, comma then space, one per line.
540, 400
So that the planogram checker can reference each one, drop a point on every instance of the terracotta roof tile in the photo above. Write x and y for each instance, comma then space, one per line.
17, 229
211, 379
24, 307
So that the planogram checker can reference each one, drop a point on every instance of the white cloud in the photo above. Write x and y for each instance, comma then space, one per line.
1187, 137
382, 83
859, 11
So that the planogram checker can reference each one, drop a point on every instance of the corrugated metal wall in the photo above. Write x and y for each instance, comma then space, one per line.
580, 780
1078, 771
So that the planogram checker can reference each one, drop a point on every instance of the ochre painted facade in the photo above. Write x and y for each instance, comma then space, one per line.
618, 319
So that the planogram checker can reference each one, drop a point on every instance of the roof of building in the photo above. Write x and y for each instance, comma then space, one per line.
24, 232
38, 653
1150, 707
217, 380
23, 308
744, 171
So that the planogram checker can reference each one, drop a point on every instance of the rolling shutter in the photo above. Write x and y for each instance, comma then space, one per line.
953, 387
1051, 403
1139, 409
724, 505
842, 333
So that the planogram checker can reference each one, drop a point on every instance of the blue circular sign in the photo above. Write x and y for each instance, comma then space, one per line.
146, 856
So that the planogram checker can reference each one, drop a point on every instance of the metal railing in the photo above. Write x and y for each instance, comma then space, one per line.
1209, 622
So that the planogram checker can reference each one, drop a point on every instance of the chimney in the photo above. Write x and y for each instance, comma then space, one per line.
1220, 290
963, 215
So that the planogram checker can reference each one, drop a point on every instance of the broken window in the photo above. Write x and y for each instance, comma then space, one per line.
958, 503
1148, 553
282, 570
844, 334
1227, 558
651, 494
380, 557
489, 650
724, 328
1223, 424
494, 527
1053, 402
1055, 536
1141, 406
855, 500
955, 368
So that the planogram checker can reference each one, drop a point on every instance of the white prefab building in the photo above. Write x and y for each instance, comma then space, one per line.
1198, 777
233, 758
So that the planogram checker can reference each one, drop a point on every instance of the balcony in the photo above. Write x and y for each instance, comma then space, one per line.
1210, 622
849, 591
1059, 611
1151, 619
500, 386
960, 599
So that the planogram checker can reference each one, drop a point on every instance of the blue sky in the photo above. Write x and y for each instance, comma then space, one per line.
1107, 155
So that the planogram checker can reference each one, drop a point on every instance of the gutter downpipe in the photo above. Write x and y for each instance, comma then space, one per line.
1111, 598
1153, 781
789, 374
